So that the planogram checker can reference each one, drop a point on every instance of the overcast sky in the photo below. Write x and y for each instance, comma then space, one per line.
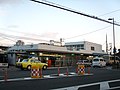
34, 23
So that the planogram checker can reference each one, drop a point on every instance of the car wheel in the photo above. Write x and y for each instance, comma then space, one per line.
44, 67
29, 67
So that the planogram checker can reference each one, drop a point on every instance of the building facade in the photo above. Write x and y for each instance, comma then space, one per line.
56, 55
45, 53
84, 47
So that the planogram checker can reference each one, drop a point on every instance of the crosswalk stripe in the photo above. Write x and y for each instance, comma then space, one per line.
103, 86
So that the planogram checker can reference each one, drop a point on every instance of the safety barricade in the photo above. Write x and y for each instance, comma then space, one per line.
4, 67
4, 74
36, 72
81, 69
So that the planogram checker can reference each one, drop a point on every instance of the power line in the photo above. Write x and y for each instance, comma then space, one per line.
89, 32
27, 34
73, 11
20, 37
58, 4
7, 38
32, 34
109, 12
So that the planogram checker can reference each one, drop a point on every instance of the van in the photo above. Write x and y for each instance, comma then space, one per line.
98, 62
110, 59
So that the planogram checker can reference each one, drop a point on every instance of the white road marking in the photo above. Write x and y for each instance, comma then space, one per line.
73, 73
104, 87
115, 88
28, 78
48, 76
61, 74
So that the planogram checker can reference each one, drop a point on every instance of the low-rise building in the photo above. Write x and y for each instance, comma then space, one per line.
85, 47
44, 52
53, 54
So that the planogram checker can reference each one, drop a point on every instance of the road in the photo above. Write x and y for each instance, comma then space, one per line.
20, 80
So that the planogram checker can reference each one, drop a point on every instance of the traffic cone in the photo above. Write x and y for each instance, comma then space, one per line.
67, 71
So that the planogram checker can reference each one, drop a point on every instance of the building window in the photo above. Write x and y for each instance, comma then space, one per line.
93, 48
82, 45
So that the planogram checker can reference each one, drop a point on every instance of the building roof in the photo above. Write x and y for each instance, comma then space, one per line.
46, 48
43, 48
79, 42
4, 47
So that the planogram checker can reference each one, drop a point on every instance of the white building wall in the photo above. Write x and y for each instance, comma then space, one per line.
97, 47
52, 47
87, 47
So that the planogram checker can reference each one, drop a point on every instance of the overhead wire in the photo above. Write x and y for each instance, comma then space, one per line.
31, 34
58, 5
89, 32
64, 8
20, 37
73, 11
109, 12
4, 37
27, 36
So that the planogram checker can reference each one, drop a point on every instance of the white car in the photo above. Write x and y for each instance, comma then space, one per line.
98, 62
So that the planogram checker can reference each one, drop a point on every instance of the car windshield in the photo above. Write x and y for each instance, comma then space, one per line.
83, 61
86, 61
80, 61
25, 60
96, 60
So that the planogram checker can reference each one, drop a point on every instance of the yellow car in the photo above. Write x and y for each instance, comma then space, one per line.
28, 63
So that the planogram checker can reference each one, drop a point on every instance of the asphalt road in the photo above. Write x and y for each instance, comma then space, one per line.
20, 80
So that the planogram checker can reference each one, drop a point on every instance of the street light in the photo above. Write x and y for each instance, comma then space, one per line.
114, 49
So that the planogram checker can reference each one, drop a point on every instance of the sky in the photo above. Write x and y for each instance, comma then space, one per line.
36, 23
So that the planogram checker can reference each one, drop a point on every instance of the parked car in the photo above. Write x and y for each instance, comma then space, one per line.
98, 62
28, 63
87, 63
110, 60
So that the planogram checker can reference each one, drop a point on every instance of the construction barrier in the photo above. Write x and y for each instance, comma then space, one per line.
81, 69
5, 74
36, 72
58, 71
88, 70
67, 72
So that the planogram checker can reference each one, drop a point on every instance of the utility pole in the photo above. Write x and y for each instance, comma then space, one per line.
114, 48
106, 45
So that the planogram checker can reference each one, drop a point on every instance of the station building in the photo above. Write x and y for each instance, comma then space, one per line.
55, 55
